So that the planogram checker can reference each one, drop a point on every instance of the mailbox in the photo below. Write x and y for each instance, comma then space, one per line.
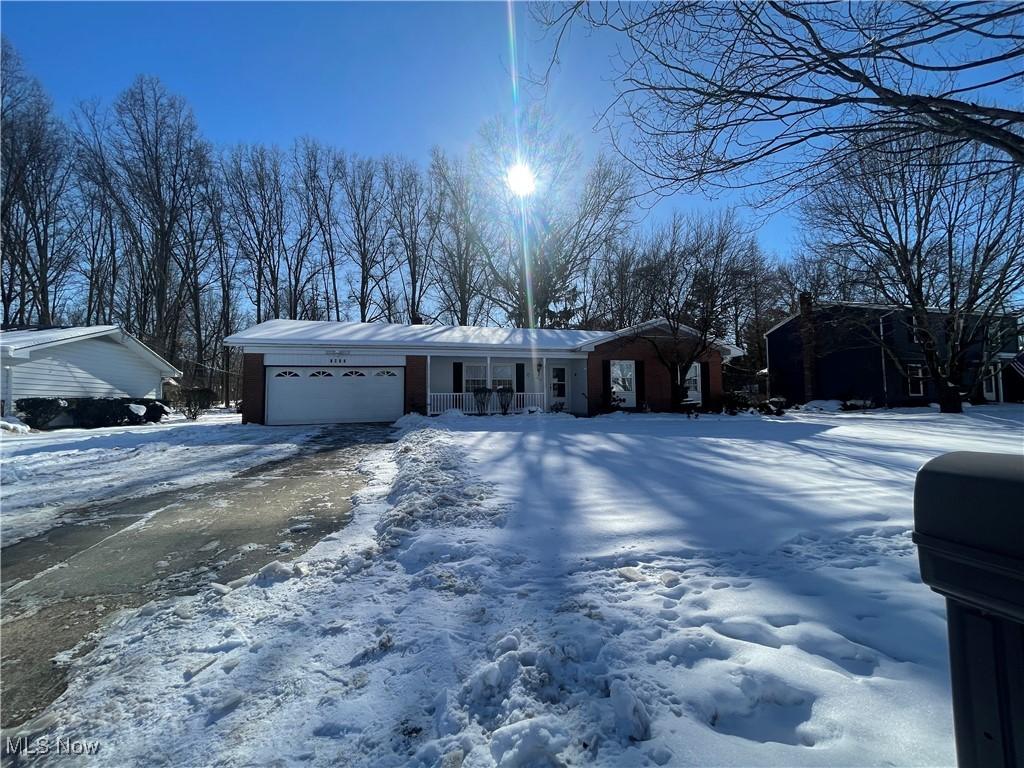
969, 529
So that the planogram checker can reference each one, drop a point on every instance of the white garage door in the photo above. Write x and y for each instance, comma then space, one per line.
302, 395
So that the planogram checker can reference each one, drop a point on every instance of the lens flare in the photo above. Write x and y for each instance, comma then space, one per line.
521, 180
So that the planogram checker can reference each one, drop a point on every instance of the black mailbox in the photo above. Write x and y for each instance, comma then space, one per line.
969, 529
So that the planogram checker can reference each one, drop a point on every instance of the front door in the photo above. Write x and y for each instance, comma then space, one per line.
623, 381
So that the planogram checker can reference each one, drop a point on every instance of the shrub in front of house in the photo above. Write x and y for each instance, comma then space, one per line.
93, 412
38, 412
90, 412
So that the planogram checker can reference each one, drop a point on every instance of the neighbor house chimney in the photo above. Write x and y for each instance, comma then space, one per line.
807, 337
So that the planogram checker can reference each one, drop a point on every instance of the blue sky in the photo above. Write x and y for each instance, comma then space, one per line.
372, 78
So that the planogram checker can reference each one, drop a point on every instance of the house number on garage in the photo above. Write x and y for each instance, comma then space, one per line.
334, 360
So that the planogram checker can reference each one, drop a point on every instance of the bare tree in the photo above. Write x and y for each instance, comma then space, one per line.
144, 156
622, 295
543, 243
39, 222
690, 269
254, 195
412, 206
323, 175
718, 90
462, 228
365, 228
935, 235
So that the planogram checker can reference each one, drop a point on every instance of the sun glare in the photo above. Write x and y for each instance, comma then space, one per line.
521, 180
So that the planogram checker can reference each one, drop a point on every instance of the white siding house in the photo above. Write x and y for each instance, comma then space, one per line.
92, 361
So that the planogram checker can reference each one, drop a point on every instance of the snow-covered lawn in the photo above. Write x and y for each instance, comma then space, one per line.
531, 591
45, 474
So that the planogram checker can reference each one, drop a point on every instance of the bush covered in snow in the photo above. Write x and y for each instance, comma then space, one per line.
37, 412
90, 412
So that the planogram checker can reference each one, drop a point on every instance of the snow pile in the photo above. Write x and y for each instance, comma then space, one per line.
46, 475
822, 406
13, 424
434, 486
641, 590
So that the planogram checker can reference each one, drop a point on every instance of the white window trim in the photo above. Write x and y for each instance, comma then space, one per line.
989, 384
466, 378
564, 382
497, 380
915, 379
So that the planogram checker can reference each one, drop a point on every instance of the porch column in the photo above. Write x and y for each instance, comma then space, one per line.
490, 394
544, 380
428, 386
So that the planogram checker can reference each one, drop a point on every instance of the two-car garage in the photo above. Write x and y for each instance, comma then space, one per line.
318, 394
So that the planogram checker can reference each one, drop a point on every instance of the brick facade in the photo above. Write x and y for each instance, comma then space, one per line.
254, 389
657, 382
415, 384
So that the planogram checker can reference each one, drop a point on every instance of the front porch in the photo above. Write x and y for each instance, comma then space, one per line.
520, 384
468, 402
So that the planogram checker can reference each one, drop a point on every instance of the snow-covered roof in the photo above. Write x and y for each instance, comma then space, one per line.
37, 337
317, 333
325, 333
20, 343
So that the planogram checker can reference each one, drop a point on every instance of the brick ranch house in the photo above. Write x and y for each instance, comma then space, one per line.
312, 372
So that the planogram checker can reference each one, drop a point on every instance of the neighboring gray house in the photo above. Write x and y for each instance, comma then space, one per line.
90, 361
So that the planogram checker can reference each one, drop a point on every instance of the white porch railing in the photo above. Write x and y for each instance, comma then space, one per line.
439, 402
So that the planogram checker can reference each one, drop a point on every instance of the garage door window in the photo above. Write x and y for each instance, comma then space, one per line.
320, 374
286, 375
385, 373
350, 374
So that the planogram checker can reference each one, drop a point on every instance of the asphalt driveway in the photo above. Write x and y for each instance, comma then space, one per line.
60, 587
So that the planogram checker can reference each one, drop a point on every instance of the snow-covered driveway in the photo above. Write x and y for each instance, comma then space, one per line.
531, 591
46, 474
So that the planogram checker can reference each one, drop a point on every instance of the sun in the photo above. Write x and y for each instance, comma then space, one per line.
521, 180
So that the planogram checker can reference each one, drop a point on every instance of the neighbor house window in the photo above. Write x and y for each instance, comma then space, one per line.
915, 380
917, 332
474, 376
286, 375
990, 382
503, 376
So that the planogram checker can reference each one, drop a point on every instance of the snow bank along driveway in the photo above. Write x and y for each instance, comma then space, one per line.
531, 591
46, 474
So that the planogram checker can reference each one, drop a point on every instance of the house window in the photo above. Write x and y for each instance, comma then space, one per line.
474, 376
915, 380
692, 382
917, 332
320, 374
623, 376
352, 374
623, 381
989, 384
503, 376
995, 334
558, 382
386, 372
286, 375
